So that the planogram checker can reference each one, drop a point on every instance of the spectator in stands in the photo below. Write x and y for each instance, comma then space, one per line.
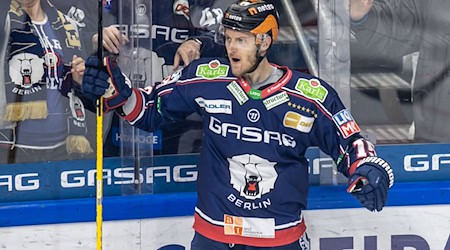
171, 25
42, 117
401, 27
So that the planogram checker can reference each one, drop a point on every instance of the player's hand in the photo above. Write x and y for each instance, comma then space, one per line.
187, 52
77, 69
359, 8
107, 81
370, 183
113, 40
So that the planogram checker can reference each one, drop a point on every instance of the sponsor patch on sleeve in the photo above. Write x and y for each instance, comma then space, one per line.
345, 123
297, 121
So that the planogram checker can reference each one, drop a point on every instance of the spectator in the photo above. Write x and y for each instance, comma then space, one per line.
258, 121
401, 27
146, 56
46, 118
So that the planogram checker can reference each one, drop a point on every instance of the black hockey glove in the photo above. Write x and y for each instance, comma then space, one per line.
107, 81
370, 182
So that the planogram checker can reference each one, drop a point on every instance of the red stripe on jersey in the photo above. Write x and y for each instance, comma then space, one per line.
353, 167
282, 237
137, 108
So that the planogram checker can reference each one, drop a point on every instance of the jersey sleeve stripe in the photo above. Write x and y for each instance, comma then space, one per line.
138, 109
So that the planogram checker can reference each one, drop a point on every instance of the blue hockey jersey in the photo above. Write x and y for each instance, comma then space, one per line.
253, 175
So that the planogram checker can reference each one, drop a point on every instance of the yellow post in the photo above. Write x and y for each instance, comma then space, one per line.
99, 166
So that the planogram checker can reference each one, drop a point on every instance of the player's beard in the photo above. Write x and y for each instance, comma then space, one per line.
244, 65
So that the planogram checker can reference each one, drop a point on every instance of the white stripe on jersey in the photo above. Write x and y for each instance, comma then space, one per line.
221, 223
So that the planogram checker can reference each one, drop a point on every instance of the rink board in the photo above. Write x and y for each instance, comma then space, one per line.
182, 204
178, 173
164, 222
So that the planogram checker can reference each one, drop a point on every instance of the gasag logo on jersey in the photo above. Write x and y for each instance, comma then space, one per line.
237, 92
276, 100
249, 134
212, 70
312, 89
215, 106
346, 124
297, 121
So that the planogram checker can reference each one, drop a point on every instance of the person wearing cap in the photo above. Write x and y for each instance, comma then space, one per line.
258, 120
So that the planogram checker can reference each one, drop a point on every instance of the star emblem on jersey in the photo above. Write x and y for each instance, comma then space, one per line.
303, 108
252, 175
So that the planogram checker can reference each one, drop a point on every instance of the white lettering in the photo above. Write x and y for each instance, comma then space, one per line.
422, 162
250, 134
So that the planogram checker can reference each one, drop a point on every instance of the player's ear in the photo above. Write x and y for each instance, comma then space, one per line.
266, 42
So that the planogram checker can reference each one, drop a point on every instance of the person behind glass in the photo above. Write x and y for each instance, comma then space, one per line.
258, 120
147, 57
401, 27
46, 120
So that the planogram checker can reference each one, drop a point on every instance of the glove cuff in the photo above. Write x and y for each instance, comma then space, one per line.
381, 165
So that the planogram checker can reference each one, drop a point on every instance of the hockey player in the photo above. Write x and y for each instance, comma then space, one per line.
258, 121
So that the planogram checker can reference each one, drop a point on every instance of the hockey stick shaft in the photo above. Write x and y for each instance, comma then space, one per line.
99, 135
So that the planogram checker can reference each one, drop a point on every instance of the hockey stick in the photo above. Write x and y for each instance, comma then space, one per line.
99, 134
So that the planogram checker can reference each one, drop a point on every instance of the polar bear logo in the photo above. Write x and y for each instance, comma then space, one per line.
26, 69
252, 175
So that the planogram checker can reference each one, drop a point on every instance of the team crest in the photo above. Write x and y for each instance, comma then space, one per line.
26, 69
252, 175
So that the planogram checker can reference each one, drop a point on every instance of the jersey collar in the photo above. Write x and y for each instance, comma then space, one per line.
270, 89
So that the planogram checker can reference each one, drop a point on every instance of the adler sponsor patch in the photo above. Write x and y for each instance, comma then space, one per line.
345, 123
299, 122
311, 88
212, 70
215, 106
